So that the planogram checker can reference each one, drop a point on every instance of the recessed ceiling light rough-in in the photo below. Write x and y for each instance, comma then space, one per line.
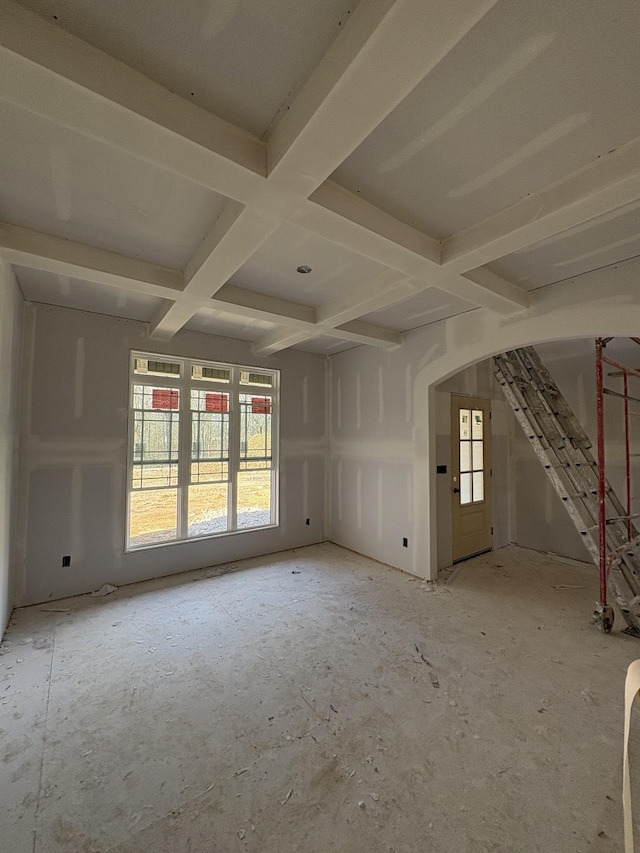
304, 269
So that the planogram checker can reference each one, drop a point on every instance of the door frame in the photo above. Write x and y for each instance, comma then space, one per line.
484, 537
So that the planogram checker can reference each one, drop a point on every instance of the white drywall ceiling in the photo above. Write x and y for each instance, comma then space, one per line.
60, 182
426, 307
228, 325
532, 93
324, 346
243, 61
441, 114
334, 270
611, 238
52, 289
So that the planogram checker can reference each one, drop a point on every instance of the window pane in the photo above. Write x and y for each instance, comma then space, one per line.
254, 498
465, 423
211, 374
465, 455
478, 486
255, 432
153, 516
156, 368
209, 437
465, 488
478, 414
208, 509
247, 378
155, 437
478, 463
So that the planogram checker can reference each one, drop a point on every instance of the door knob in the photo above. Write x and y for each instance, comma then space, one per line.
456, 491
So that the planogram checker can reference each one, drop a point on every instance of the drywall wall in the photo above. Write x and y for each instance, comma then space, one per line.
384, 423
372, 453
74, 449
542, 521
11, 314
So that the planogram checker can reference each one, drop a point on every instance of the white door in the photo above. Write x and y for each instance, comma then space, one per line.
471, 475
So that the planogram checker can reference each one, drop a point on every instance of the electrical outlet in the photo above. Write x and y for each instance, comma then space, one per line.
308, 522
405, 542
66, 561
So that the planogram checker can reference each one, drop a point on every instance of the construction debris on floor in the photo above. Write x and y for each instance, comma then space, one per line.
291, 706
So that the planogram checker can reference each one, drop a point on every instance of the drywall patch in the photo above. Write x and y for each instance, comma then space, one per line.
533, 147
380, 502
65, 285
218, 17
118, 518
76, 511
61, 183
305, 399
78, 402
488, 86
305, 489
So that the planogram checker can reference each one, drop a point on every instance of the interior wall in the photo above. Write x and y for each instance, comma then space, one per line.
542, 521
74, 454
384, 424
11, 319
372, 453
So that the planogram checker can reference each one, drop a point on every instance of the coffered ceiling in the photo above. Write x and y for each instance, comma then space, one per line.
177, 163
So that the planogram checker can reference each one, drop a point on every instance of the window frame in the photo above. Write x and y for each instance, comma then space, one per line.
184, 384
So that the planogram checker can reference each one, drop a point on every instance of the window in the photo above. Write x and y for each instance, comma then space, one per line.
202, 449
471, 456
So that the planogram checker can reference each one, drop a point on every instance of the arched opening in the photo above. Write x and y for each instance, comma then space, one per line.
571, 312
524, 507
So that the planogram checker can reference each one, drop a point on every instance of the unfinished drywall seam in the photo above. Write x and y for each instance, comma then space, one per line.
79, 388
328, 442
28, 354
11, 329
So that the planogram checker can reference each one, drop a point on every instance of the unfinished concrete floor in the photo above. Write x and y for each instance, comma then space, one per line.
317, 701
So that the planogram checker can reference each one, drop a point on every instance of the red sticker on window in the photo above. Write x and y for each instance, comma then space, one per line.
216, 403
164, 399
261, 405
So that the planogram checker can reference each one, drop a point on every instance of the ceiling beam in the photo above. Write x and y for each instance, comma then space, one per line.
278, 339
34, 250
365, 333
340, 311
348, 220
378, 58
56, 75
61, 78
365, 298
262, 306
609, 182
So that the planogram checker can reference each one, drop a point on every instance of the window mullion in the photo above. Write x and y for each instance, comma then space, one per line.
234, 452
184, 455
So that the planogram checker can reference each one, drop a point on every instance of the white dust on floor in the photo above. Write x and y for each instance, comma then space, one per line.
317, 701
